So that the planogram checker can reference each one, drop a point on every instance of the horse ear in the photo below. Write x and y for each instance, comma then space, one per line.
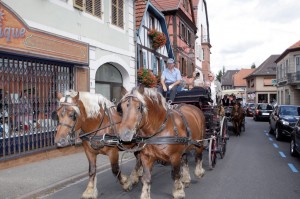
76, 98
141, 88
59, 96
123, 91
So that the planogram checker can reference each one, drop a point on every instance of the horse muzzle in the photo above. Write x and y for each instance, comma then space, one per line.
127, 136
63, 142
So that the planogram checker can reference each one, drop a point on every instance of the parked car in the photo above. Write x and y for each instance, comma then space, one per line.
295, 140
283, 120
262, 111
250, 109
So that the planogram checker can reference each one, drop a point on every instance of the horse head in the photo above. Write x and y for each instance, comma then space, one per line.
68, 117
136, 107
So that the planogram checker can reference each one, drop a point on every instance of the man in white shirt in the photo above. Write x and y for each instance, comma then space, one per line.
170, 79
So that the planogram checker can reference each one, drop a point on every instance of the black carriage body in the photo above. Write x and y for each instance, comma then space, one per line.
197, 96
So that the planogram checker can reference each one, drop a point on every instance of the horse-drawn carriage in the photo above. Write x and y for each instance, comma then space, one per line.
216, 125
143, 123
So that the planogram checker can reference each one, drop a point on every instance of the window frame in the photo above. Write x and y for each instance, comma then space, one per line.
117, 13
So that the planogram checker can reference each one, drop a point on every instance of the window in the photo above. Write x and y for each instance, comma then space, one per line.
117, 13
92, 7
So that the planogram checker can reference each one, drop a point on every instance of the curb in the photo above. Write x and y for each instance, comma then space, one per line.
52, 188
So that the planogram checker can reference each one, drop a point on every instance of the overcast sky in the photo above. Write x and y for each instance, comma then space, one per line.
243, 32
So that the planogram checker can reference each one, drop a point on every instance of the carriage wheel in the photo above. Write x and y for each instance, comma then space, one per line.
223, 136
212, 153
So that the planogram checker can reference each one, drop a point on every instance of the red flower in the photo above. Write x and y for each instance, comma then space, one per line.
146, 78
158, 38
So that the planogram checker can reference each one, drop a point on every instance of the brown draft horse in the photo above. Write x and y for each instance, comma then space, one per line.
237, 118
146, 118
88, 112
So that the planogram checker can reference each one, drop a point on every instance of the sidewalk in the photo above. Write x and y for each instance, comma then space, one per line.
30, 180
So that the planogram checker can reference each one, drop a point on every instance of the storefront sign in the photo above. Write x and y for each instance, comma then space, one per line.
8, 32
17, 37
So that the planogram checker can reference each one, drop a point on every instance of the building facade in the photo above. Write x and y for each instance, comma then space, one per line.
261, 82
149, 55
52, 46
288, 75
179, 15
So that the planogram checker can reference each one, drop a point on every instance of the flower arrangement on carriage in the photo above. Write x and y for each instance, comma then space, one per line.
157, 38
146, 77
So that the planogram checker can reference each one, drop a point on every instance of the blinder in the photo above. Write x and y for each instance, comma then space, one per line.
119, 109
54, 116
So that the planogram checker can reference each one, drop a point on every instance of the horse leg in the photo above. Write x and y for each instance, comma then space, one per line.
199, 171
91, 189
113, 155
186, 177
138, 170
146, 179
178, 189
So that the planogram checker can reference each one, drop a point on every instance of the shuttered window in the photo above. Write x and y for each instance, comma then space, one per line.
117, 13
92, 7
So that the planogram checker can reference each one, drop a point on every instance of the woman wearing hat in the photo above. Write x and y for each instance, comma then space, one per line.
170, 79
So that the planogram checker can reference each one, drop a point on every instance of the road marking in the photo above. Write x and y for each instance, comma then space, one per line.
293, 168
282, 154
275, 145
270, 139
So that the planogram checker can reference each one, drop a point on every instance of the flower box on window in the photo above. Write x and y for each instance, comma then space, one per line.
158, 39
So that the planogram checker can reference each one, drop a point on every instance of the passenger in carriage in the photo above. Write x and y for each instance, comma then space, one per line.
170, 80
225, 101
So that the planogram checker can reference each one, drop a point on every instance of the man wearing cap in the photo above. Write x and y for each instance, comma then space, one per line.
170, 79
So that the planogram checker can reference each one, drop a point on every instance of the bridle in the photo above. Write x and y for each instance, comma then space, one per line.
71, 134
141, 107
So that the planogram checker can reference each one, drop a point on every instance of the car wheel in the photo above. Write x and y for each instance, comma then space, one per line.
277, 134
293, 148
254, 118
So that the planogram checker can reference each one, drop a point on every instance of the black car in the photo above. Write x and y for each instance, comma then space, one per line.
250, 109
295, 140
262, 111
283, 120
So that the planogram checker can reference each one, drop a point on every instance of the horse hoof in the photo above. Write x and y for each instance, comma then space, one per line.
186, 184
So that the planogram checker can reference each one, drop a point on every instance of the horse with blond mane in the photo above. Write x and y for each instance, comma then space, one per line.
165, 134
98, 121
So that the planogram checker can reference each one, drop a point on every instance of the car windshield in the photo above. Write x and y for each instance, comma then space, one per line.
290, 110
264, 107
251, 105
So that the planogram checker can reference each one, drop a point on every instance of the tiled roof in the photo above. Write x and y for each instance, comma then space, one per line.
268, 67
238, 78
227, 77
294, 47
166, 5
140, 6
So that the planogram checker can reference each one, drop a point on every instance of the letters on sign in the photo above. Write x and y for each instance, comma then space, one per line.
10, 32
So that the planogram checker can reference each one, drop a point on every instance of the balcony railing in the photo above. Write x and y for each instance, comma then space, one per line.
293, 78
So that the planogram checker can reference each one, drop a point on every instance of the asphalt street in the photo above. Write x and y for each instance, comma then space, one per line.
256, 166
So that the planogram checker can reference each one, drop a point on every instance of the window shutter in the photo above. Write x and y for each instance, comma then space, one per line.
78, 4
154, 65
97, 8
144, 60
162, 65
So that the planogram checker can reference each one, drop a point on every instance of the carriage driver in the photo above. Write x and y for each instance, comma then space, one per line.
170, 79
